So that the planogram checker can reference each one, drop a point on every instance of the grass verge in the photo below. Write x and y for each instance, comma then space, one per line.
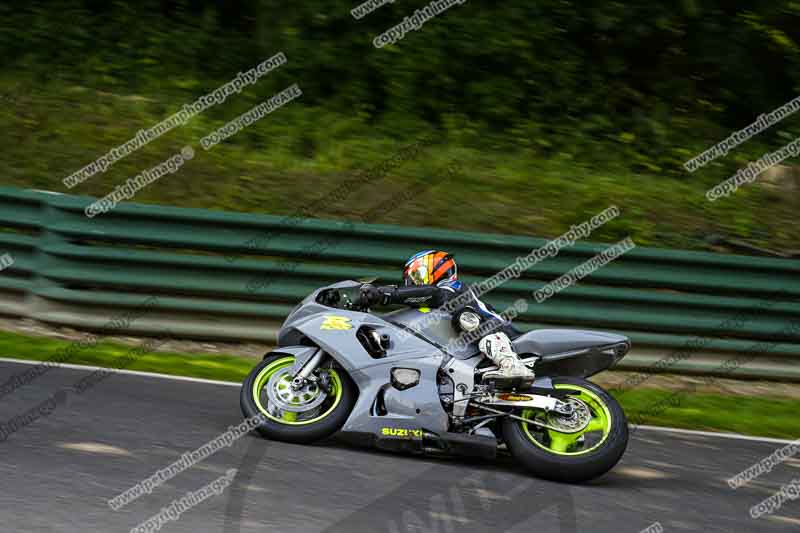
767, 417
113, 355
749, 415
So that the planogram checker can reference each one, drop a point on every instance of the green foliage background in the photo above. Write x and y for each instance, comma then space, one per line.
554, 109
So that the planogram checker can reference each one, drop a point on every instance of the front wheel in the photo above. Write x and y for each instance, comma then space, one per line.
589, 444
301, 416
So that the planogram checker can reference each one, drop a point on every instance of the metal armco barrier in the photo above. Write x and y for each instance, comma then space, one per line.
228, 276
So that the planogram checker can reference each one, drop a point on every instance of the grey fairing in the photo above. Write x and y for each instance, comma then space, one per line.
564, 352
301, 353
554, 341
572, 352
434, 328
372, 376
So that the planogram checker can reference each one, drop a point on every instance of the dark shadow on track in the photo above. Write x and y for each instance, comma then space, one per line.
491, 496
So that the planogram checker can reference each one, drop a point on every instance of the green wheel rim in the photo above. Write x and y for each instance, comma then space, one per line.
288, 417
565, 443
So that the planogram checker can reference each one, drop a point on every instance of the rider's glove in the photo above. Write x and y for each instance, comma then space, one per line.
370, 295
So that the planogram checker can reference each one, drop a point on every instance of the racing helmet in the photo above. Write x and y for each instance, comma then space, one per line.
429, 268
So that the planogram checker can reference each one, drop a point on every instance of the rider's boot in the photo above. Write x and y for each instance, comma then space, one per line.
512, 373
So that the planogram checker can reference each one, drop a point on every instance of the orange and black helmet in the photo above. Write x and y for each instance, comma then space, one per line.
429, 268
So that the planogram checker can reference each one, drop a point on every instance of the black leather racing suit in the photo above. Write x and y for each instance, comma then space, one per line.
435, 296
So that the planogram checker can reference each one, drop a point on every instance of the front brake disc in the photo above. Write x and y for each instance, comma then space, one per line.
282, 396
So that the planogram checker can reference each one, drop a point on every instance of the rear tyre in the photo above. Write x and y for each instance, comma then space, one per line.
303, 416
571, 456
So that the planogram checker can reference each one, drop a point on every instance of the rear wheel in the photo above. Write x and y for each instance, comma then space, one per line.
585, 446
302, 415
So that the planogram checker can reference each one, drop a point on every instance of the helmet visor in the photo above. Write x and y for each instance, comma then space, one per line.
417, 273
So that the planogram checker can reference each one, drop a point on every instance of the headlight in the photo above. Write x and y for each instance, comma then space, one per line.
404, 378
469, 321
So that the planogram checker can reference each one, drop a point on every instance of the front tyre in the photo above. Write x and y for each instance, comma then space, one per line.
300, 416
590, 445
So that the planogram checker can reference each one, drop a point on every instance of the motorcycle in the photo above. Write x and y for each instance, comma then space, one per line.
400, 383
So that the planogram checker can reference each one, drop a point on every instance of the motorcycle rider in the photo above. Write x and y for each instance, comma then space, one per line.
430, 279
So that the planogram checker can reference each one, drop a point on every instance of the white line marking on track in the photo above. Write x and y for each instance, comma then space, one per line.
734, 436
128, 372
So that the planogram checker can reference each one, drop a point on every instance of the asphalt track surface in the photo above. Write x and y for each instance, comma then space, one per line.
58, 472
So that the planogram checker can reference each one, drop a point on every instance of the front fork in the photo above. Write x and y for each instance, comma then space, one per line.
306, 373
